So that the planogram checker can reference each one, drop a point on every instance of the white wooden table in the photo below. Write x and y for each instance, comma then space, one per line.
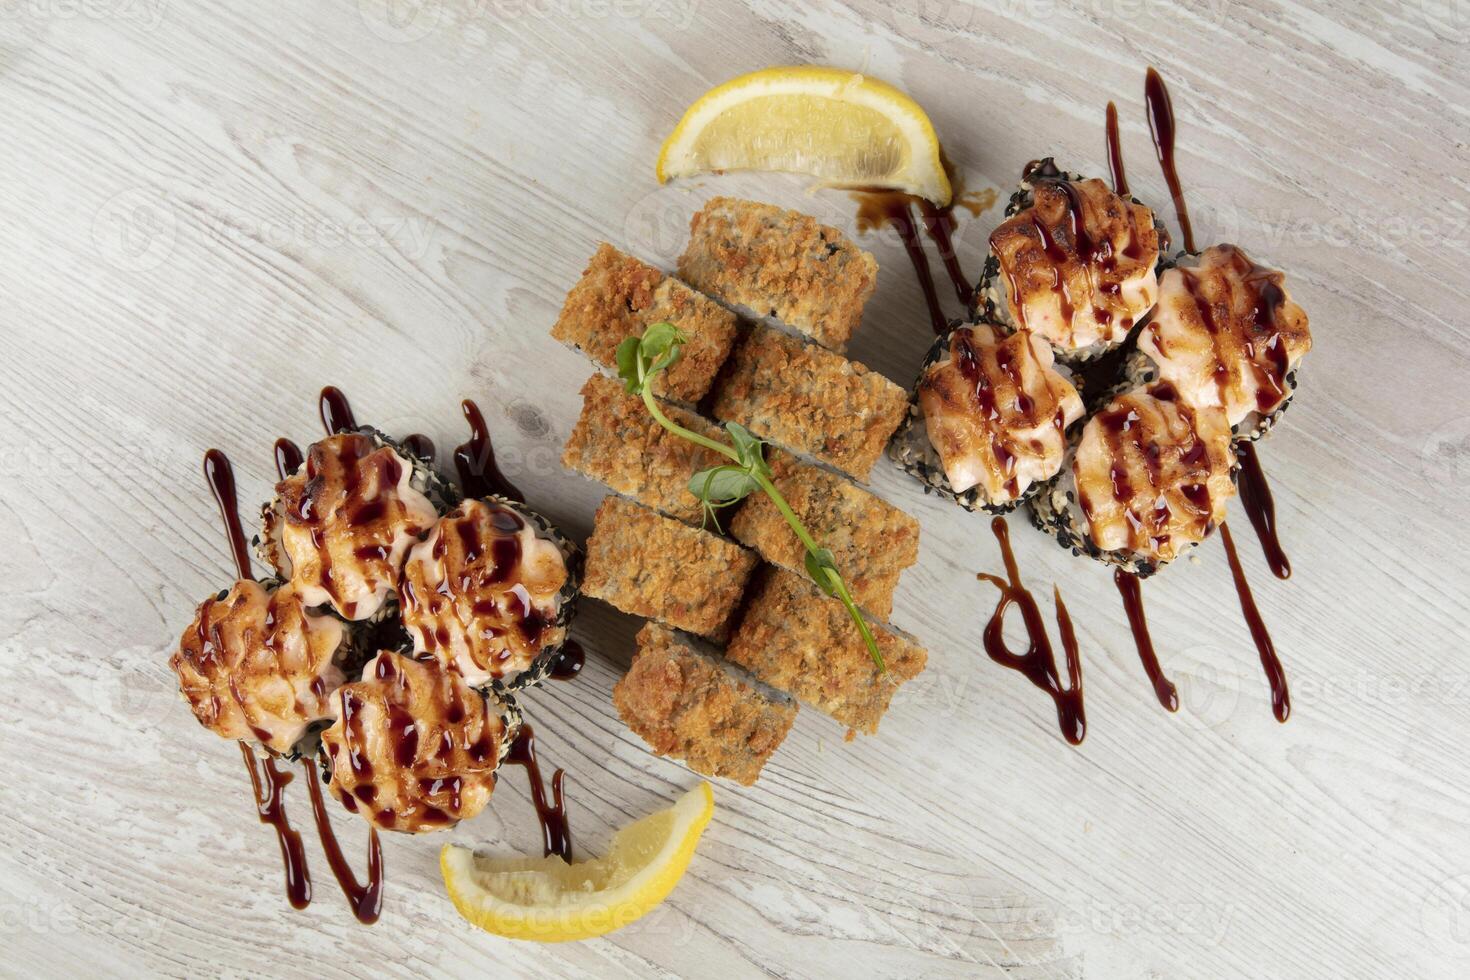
211, 209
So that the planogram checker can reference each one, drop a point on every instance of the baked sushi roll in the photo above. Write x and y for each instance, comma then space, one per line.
653, 566
781, 264
1226, 334
340, 527
619, 297
1074, 263
871, 540
490, 592
413, 747
1147, 479
257, 664
988, 422
694, 705
809, 400
796, 639
616, 442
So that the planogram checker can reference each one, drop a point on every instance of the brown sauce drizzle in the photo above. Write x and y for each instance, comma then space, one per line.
1161, 126
1039, 662
569, 662
1128, 588
366, 900
479, 476
419, 445
288, 458
336, 413
1115, 153
221, 479
1270, 662
1255, 496
270, 806
555, 834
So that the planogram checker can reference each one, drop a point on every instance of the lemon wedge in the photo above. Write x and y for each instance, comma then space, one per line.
550, 901
837, 125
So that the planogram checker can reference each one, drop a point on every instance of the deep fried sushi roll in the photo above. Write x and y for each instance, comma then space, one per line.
489, 592
257, 664
1226, 334
1148, 480
413, 747
989, 419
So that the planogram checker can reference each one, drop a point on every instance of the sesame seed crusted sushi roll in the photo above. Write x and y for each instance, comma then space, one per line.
1147, 479
257, 664
490, 591
1073, 262
1226, 334
340, 527
413, 747
988, 421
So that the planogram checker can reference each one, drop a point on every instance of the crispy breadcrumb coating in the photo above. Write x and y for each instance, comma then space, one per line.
809, 400
782, 264
618, 443
795, 639
872, 541
650, 565
618, 297
689, 705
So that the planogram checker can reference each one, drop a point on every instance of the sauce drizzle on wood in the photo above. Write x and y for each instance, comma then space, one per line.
1128, 588
1270, 662
556, 835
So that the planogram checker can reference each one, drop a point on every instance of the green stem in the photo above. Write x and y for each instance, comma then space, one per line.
684, 433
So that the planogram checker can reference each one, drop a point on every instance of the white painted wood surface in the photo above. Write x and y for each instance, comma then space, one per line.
211, 209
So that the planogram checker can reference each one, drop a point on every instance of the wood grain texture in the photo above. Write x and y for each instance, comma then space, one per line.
212, 209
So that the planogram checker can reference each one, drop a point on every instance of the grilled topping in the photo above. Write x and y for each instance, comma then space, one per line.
481, 592
1227, 334
413, 748
1079, 263
345, 522
255, 664
997, 411
1153, 473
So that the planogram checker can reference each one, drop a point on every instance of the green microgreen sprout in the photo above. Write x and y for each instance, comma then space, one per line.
640, 359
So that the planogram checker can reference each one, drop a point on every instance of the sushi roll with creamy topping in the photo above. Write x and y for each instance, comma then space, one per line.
341, 525
989, 417
1074, 263
1226, 334
413, 748
1147, 479
257, 664
489, 592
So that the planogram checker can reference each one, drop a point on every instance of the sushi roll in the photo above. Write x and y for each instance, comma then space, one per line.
413, 748
340, 527
1073, 262
988, 421
490, 592
1147, 479
1226, 334
257, 664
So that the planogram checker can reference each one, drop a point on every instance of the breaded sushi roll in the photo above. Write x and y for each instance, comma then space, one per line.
1074, 263
1147, 480
798, 640
649, 565
619, 297
694, 705
257, 664
490, 592
616, 442
809, 400
781, 264
871, 540
1226, 334
340, 527
413, 747
988, 422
